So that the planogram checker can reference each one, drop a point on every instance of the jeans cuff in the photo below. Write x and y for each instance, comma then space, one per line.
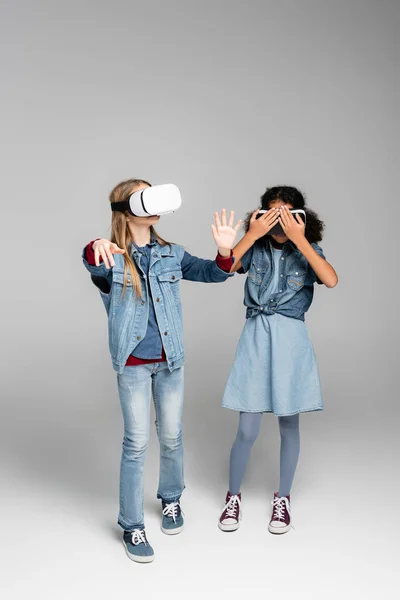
170, 497
126, 527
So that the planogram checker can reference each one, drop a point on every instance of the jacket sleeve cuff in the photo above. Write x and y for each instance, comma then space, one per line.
224, 263
89, 254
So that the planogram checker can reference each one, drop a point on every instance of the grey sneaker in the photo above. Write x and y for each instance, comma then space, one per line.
137, 547
172, 519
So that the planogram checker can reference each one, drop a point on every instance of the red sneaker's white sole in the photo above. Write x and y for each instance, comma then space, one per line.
279, 530
228, 527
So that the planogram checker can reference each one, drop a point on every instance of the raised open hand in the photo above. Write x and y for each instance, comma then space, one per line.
225, 233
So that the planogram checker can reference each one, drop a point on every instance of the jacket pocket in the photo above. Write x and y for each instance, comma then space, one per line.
119, 295
170, 276
295, 280
256, 272
118, 278
169, 284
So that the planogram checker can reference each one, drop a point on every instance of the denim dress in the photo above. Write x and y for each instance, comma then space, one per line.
275, 368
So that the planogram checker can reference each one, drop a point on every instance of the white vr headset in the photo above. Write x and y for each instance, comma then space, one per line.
277, 229
152, 201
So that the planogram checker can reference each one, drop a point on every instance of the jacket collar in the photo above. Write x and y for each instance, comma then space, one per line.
287, 246
167, 250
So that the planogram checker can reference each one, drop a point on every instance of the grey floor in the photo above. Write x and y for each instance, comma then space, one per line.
59, 501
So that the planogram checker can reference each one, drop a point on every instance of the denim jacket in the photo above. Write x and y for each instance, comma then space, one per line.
295, 275
128, 316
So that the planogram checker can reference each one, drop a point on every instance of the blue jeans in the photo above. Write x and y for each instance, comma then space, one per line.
136, 385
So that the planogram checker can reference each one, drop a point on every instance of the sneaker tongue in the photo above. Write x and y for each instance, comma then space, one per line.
277, 496
229, 495
164, 503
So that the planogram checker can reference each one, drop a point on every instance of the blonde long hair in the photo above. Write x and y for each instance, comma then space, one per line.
120, 232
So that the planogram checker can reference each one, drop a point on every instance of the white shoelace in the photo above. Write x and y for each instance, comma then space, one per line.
171, 510
279, 505
138, 537
230, 507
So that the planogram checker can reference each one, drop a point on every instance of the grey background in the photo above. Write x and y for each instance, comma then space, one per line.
223, 99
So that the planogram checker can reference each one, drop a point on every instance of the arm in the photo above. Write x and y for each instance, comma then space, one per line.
206, 271
213, 271
323, 270
295, 230
240, 250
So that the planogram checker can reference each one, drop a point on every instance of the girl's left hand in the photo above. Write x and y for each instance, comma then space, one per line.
293, 227
225, 234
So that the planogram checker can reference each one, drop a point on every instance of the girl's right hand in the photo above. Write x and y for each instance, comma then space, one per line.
260, 227
105, 249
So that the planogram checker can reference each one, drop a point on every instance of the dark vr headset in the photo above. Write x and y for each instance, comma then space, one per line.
277, 229
152, 201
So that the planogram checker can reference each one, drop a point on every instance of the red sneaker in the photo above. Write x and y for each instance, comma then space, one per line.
229, 520
280, 520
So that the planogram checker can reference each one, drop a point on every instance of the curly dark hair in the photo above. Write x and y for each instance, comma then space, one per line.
290, 195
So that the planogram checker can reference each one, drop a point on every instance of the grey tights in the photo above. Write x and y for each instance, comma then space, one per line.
249, 427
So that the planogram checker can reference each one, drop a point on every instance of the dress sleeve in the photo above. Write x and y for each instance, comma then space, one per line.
246, 261
319, 251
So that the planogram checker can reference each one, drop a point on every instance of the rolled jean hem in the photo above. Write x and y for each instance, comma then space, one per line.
171, 497
126, 527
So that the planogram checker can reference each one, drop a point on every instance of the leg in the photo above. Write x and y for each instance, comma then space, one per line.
168, 401
134, 387
290, 449
249, 427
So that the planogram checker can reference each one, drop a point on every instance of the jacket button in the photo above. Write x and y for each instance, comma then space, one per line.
143, 302
172, 364
165, 332
138, 337
173, 277
157, 299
